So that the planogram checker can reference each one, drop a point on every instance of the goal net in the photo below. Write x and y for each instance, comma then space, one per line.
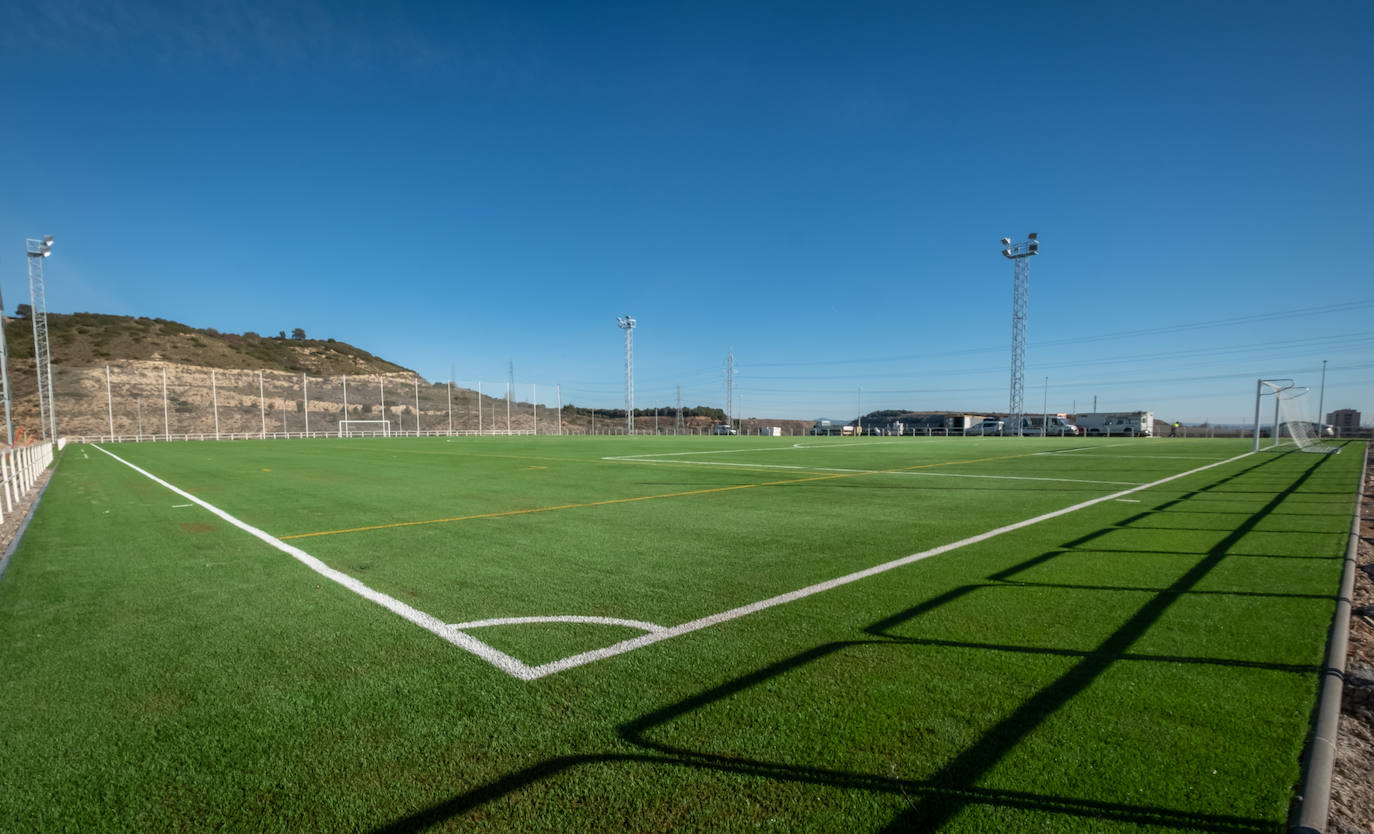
364, 428
1293, 424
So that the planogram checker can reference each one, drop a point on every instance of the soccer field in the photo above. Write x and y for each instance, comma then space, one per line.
669, 633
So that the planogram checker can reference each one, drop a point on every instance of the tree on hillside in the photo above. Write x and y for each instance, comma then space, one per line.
298, 334
23, 311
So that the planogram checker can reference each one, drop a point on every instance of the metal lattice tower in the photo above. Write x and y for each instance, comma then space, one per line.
1019, 253
628, 325
677, 420
510, 387
730, 388
5, 377
42, 357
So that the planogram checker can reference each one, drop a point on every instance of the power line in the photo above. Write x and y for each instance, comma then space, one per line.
1075, 340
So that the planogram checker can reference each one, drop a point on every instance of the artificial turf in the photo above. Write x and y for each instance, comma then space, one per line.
1144, 663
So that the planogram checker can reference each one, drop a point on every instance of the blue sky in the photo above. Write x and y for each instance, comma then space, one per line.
818, 187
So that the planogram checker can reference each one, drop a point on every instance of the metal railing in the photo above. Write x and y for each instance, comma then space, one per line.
20, 468
294, 435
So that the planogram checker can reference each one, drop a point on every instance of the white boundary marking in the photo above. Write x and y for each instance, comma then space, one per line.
563, 618
1153, 457
637, 459
754, 607
499, 659
706, 452
1076, 449
452, 634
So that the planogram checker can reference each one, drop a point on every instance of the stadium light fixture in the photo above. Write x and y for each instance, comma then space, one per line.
627, 323
40, 248
37, 251
5, 377
1019, 253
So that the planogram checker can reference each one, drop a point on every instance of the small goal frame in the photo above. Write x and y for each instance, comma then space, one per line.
346, 427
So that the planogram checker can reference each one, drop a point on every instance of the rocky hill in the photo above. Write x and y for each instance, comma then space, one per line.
93, 339
202, 367
153, 376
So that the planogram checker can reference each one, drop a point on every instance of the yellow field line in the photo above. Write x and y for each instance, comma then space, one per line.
609, 501
504, 513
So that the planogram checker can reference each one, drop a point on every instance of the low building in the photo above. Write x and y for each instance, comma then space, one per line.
1346, 421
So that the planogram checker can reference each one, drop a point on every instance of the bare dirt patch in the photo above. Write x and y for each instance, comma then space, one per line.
10, 526
1352, 791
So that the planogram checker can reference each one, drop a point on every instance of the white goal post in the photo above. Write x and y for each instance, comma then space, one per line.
1289, 416
364, 428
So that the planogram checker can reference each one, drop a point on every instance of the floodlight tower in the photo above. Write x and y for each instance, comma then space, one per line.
5, 376
730, 387
628, 325
42, 358
1019, 253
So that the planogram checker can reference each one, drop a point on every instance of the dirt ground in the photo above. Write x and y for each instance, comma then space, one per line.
12, 520
1352, 791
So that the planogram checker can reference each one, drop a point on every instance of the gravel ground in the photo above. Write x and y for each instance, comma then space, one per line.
1352, 790
10, 525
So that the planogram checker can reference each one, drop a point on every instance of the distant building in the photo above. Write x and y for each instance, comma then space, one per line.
1346, 421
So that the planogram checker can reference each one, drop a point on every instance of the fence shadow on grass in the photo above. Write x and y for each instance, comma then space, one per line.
934, 801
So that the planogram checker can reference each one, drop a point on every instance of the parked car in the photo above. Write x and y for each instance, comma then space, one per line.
989, 426
723, 429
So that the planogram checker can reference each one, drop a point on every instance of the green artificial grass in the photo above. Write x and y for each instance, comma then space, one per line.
1148, 663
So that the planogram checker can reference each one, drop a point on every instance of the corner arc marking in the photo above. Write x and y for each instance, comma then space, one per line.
654, 633
641, 625
573, 661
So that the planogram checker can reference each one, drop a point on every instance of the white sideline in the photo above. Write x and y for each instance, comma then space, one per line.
499, 659
637, 459
517, 669
624, 646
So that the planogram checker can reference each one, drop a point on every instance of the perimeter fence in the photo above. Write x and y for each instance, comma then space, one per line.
156, 402
149, 400
20, 468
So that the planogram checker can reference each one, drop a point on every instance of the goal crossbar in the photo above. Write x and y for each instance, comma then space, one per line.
378, 427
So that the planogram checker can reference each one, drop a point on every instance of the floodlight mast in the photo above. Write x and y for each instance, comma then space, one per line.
627, 324
5, 376
1018, 253
37, 250
730, 387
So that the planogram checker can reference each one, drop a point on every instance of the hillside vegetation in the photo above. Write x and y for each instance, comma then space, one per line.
92, 339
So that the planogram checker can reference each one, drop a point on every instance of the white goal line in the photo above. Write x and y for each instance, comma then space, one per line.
452, 634
910, 473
